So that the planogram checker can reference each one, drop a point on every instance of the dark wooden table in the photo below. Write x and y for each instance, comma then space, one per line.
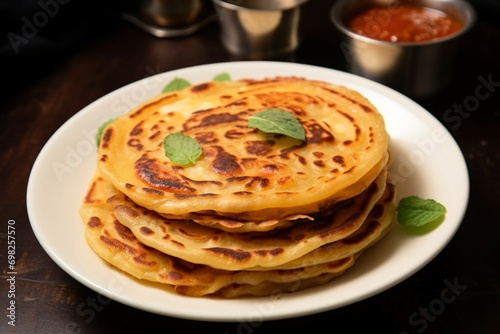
86, 54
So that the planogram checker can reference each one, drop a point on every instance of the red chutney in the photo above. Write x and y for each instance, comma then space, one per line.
404, 23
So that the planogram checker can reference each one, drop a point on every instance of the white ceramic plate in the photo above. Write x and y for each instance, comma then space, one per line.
426, 162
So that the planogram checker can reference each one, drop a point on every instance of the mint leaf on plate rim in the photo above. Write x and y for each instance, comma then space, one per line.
222, 77
100, 130
175, 85
418, 212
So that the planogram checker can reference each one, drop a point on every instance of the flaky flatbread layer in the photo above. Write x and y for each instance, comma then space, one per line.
244, 171
117, 245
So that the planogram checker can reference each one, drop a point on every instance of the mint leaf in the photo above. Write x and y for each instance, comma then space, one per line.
181, 149
179, 83
415, 211
222, 77
175, 85
100, 130
277, 121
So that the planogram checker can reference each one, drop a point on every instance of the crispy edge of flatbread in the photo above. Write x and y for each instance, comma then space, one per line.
239, 251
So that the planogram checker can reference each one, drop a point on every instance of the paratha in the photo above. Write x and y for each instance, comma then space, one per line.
250, 221
245, 173
117, 245
257, 213
237, 251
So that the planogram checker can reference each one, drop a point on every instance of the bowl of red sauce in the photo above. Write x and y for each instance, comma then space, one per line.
408, 45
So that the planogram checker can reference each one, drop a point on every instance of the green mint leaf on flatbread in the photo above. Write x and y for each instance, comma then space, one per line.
222, 77
415, 211
277, 121
100, 130
175, 85
181, 149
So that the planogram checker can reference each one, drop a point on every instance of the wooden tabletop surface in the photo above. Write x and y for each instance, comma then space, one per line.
72, 60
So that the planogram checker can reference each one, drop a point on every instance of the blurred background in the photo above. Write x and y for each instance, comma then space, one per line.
58, 28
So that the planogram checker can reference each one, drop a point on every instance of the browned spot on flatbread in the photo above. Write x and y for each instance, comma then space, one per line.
175, 276
272, 252
137, 130
259, 147
319, 154
377, 211
301, 159
225, 163
135, 143
392, 189
153, 191
371, 228
149, 171
207, 138
117, 244
243, 193
218, 119
240, 256
339, 159
141, 260
106, 137
290, 272
178, 244
124, 232
269, 169
235, 134
201, 182
201, 87
318, 134
89, 197
319, 163
146, 231
94, 222
339, 263
128, 211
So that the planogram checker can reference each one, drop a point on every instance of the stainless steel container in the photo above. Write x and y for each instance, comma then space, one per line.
417, 69
259, 29
171, 13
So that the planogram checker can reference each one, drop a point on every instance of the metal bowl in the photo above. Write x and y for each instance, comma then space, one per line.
259, 29
171, 13
417, 69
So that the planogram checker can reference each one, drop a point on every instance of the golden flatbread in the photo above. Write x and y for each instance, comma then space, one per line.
117, 245
249, 221
236, 251
245, 173
258, 212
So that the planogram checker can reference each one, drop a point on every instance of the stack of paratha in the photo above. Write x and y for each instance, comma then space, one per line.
258, 213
